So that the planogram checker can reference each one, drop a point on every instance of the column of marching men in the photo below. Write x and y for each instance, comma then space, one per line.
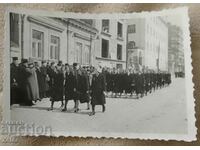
122, 83
32, 81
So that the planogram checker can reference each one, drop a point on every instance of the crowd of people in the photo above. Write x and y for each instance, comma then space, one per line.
32, 81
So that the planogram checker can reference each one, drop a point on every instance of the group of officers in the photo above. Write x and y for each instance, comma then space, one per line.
31, 82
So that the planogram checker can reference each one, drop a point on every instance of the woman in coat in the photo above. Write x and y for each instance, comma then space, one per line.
97, 91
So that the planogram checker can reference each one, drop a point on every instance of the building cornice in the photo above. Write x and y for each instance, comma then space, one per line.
82, 37
47, 22
81, 25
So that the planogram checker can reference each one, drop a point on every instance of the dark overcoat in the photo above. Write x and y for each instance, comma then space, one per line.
83, 88
70, 82
116, 83
127, 83
51, 73
139, 83
97, 90
44, 82
14, 84
58, 86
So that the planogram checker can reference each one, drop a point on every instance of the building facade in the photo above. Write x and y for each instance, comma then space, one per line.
111, 43
147, 43
175, 54
51, 39
87, 42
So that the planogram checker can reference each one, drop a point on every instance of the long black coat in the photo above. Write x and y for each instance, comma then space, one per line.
97, 90
44, 83
139, 83
70, 84
58, 87
14, 84
83, 88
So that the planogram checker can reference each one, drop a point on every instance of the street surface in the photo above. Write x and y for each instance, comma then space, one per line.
163, 111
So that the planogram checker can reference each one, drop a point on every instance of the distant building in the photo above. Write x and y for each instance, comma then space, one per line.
175, 53
147, 43
111, 43
85, 41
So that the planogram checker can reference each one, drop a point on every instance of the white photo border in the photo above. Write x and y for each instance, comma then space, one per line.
189, 85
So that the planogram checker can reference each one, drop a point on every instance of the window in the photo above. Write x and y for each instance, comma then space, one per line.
86, 55
14, 29
37, 44
78, 53
105, 48
131, 28
119, 52
131, 45
105, 25
119, 29
54, 47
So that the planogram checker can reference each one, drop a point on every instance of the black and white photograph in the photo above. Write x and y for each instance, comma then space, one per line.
100, 75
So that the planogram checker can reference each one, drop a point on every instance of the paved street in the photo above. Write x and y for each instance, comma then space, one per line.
163, 111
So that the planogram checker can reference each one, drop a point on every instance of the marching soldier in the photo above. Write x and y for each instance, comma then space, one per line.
133, 81
139, 84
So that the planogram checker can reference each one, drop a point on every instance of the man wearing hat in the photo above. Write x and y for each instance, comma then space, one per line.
98, 88
14, 74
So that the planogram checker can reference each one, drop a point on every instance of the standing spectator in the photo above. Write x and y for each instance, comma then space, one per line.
29, 91
14, 79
